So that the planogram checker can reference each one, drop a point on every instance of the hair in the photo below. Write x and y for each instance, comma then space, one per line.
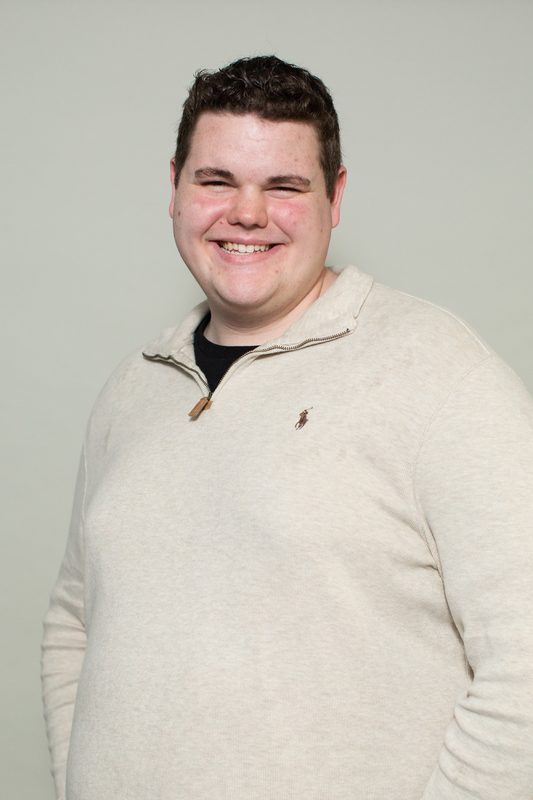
274, 90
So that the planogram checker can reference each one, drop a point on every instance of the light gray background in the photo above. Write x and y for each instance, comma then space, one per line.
435, 101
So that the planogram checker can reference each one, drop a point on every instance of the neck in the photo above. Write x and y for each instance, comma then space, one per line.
249, 330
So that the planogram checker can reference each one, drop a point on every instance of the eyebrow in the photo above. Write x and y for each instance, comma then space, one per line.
213, 172
295, 180
216, 172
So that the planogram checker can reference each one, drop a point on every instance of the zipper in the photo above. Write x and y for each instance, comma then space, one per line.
206, 402
203, 402
288, 347
201, 405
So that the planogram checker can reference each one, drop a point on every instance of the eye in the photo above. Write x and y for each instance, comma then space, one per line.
216, 186
285, 189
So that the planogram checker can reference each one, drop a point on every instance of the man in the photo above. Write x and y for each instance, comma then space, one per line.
300, 560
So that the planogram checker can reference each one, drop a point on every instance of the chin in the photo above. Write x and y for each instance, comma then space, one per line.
245, 294
244, 302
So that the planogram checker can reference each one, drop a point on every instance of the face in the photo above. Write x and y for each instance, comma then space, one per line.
252, 219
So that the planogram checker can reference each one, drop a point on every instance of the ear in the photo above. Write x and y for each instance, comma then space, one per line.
336, 200
173, 187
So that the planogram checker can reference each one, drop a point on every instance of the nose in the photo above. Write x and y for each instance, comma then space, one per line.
248, 208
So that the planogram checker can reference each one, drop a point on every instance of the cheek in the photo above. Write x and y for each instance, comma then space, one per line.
292, 217
307, 225
197, 214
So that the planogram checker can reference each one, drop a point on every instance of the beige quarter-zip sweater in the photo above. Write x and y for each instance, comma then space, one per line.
321, 588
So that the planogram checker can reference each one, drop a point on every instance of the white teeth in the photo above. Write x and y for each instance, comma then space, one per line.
245, 248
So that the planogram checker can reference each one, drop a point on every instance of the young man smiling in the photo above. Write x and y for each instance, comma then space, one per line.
300, 558
252, 220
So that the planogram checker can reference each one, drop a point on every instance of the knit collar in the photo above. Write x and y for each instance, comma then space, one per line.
334, 312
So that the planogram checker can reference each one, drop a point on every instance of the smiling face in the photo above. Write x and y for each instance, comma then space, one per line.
252, 219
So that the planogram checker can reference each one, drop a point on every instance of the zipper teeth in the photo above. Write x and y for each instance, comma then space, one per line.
284, 347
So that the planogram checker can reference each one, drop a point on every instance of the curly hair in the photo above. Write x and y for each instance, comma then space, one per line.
274, 90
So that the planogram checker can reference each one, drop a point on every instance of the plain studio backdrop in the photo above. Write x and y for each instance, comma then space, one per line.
435, 104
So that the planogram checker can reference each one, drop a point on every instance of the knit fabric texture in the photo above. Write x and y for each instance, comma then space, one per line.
321, 588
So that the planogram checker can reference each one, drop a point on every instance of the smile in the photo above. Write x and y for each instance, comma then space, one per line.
234, 247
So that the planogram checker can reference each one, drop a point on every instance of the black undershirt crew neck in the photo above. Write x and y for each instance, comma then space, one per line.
215, 359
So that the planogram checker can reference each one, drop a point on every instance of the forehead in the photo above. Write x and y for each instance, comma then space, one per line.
248, 139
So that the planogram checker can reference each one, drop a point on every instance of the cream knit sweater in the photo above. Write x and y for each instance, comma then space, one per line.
341, 609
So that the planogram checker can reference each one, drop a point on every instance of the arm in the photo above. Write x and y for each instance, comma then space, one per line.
63, 646
474, 483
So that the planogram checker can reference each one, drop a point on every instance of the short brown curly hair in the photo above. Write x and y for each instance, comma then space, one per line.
274, 90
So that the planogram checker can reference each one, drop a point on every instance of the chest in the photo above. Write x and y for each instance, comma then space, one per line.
290, 463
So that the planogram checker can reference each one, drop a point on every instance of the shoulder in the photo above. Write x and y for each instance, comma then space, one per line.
453, 371
409, 328
422, 354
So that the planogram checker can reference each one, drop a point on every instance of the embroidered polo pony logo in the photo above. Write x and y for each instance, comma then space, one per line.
303, 418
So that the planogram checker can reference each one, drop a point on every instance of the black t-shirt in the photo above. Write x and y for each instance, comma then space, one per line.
215, 359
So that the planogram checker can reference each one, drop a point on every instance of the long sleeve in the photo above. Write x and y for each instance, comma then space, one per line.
64, 640
475, 489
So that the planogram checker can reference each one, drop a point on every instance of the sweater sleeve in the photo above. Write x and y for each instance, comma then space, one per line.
474, 483
63, 646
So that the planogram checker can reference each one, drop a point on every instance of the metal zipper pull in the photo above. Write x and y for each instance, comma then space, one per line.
196, 410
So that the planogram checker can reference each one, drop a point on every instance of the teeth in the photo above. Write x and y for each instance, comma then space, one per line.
245, 248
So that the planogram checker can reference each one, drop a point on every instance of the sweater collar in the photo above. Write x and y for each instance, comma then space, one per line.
334, 312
